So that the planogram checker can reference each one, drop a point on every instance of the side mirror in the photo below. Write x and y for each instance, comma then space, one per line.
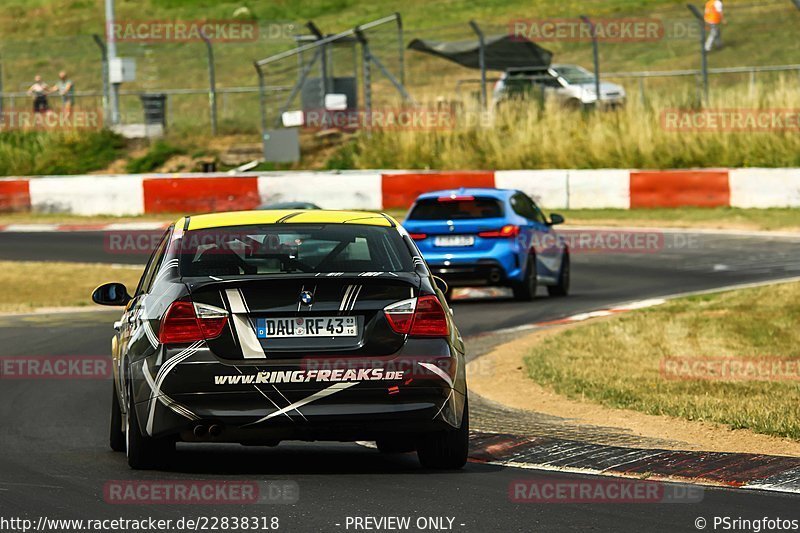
111, 294
441, 284
556, 219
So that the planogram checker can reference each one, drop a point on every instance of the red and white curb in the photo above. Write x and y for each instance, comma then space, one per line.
52, 228
396, 189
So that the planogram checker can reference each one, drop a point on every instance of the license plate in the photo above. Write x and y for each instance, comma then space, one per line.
454, 240
324, 326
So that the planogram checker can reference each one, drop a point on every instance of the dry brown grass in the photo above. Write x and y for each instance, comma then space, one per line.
28, 285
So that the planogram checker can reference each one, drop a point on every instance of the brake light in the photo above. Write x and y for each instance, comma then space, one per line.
509, 231
454, 198
400, 315
186, 321
418, 317
418, 236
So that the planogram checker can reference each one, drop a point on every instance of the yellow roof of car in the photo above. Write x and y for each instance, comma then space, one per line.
292, 216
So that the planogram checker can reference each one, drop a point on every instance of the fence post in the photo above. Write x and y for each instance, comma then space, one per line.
703, 54
366, 59
112, 53
481, 60
596, 59
262, 101
401, 48
323, 63
106, 90
1, 91
212, 83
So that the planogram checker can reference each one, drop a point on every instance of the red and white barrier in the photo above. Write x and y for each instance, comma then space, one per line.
377, 190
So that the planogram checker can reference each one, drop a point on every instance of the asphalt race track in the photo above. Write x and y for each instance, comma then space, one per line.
55, 461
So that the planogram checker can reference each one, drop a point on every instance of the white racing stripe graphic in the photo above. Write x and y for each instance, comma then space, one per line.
333, 389
287, 401
442, 374
438, 371
445, 402
350, 297
264, 394
149, 333
166, 400
165, 268
165, 369
346, 296
251, 347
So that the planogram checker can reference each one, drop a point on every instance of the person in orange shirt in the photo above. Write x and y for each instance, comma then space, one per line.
714, 19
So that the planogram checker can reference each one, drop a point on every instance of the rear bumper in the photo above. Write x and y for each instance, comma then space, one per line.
485, 272
475, 269
282, 400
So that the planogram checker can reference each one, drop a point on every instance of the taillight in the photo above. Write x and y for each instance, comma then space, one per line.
400, 315
454, 198
509, 231
186, 321
418, 236
418, 317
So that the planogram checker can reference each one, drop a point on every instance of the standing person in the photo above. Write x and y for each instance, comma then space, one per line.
39, 91
66, 88
714, 19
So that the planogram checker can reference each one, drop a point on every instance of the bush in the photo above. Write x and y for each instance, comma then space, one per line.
158, 154
42, 152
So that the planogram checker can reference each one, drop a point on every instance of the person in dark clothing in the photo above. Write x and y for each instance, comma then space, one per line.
39, 91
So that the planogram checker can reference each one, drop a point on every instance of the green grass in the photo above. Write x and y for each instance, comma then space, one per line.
617, 362
689, 217
63, 31
524, 136
40, 152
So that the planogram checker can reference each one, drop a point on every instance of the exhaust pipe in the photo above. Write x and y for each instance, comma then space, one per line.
215, 430
200, 431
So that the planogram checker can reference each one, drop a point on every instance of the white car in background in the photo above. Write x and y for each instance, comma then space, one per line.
572, 85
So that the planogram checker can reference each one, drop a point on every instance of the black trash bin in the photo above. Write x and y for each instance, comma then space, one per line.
155, 109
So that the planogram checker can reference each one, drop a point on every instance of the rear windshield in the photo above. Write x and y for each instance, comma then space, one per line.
436, 209
276, 249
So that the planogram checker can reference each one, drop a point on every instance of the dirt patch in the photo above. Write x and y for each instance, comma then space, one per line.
500, 376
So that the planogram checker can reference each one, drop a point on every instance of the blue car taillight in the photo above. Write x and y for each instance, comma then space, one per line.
506, 232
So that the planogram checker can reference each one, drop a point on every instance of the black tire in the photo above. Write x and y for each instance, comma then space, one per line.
144, 453
562, 289
395, 445
525, 290
116, 437
446, 450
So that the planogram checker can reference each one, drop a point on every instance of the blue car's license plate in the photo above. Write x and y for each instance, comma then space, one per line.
454, 240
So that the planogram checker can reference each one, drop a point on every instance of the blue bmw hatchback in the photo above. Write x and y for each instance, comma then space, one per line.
490, 237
